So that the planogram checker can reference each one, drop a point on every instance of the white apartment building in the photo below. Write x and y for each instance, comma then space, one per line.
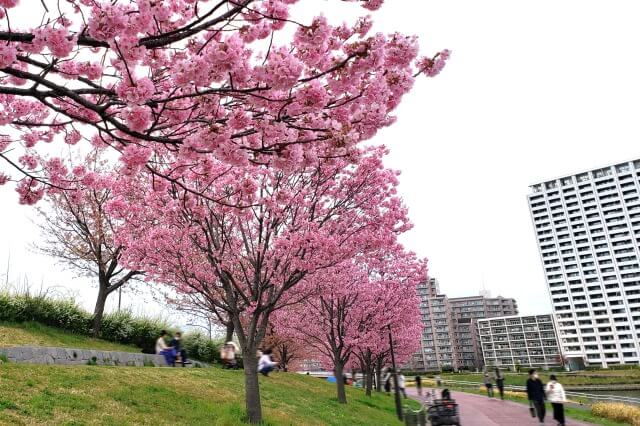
519, 341
587, 227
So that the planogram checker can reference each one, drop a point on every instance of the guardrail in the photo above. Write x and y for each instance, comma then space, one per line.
570, 394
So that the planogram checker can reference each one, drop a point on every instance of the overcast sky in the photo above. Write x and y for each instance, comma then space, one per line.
533, 90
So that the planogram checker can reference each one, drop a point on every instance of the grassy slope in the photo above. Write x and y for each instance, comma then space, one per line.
155, 396
35, 334
600, 377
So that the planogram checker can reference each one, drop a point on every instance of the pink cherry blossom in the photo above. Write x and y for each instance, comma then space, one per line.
73, 137
29, 161
137, 92
9, 3
138, 118
30, 191
7, 55
135, 156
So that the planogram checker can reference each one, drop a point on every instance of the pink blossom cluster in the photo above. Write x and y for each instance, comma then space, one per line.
58, 40
7, 55
432, 66
9, 3
162, 79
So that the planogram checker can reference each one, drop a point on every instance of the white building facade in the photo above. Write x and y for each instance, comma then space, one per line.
587, 227
514, 342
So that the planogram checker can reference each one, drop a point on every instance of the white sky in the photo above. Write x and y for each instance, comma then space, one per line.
533, 90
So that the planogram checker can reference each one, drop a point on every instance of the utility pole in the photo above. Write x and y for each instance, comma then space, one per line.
396, 391
119, 297
6, 283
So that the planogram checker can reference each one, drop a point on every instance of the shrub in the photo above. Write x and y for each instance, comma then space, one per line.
64, 314
617, 412
123, 327
200, 347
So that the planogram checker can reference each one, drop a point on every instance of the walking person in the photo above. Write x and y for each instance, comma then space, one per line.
387, 382
401, 381
488, 385
500, 383
557, 398
419, 385
536, 394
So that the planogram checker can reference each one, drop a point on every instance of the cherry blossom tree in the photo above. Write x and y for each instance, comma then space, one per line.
77, 230
256, 234
170, 84
287, 351
351, 308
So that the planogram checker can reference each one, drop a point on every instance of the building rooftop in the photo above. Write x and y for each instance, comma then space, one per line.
533, 186
514, 316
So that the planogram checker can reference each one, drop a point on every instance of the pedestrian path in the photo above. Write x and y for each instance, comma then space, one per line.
477, 410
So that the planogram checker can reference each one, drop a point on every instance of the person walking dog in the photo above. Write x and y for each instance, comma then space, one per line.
557, 398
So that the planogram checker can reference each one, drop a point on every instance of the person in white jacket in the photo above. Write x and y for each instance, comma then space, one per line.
401, 385
557, 398
265, 364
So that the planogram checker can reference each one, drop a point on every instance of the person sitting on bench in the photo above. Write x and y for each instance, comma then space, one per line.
167, 351
181, 353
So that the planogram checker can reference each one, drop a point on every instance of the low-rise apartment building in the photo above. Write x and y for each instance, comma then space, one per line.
519, 341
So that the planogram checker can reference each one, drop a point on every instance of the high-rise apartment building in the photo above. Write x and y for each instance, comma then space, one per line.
436, 344
513, 341
466, 311
587, 227
450, 337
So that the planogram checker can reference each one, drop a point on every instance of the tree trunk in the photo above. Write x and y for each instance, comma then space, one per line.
378, 375
230, 329
252, 389
369, 379
338, 372
98, 312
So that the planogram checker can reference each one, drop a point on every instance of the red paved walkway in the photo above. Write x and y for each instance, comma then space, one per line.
477, 410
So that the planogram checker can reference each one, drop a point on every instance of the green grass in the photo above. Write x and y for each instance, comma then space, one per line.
582, 378
83, 395
35, 334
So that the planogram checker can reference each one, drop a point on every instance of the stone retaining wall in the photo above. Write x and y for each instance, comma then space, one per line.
66, 356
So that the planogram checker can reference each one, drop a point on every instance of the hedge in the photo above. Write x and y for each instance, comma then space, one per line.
119, 327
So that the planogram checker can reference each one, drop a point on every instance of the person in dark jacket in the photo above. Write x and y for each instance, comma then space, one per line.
500, 383
419, 385
176, 342
536, 394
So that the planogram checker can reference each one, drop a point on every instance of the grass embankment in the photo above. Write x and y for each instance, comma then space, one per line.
580, 378
85, 395
35, 334
585, 413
